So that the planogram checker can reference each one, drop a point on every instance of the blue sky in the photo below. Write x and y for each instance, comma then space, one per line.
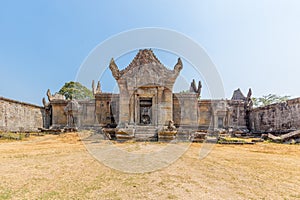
253, 43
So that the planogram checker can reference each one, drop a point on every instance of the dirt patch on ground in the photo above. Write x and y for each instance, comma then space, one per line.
59, 167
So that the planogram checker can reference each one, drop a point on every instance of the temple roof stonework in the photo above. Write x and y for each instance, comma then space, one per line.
238, 95
145, 69
143, 57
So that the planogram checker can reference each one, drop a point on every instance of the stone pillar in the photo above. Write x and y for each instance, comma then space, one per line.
154, 108
132, 107
136, 109
168, 103
124, 104
215, 125
238, 117
160, 112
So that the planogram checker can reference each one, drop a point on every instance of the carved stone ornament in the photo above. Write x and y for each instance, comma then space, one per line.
56, 96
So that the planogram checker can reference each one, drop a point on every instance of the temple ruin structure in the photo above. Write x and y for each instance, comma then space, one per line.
146, 107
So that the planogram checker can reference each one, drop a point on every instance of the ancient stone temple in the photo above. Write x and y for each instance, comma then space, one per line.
146, 98
145, 90
146, 108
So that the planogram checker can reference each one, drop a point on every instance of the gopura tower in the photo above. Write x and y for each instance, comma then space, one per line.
145, 90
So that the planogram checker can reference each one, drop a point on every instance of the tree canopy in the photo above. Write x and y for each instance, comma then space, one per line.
74, 90
268, 99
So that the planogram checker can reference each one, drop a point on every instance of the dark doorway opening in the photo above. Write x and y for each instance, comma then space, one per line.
145, 111
220, 122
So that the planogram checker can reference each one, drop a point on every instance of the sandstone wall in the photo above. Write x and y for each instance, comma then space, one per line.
185, 109
19, 116
237, 114
277, 117
221, 114
86, 116
101, 111
107, 108
205, 119
59, 118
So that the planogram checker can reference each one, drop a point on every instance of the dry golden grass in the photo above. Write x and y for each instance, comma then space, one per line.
59, 167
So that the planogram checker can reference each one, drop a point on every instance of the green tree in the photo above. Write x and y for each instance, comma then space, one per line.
74, 90
268, 99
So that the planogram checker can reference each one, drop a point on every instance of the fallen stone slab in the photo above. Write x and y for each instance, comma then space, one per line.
290, 138
274, 138
293, 134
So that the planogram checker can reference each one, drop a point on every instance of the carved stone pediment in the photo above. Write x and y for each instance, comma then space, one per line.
145, 70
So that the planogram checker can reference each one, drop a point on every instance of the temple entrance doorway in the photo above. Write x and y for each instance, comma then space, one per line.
145, 111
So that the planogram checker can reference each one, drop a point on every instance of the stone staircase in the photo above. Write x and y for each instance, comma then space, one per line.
145, 133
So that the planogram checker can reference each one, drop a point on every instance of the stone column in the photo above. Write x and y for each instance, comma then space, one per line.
215, 120
132, 107
123, 103
159, 104
238, 117
154, 108
136, 109
168, 103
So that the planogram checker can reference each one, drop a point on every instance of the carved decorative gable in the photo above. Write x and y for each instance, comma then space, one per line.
144, 57
146, 70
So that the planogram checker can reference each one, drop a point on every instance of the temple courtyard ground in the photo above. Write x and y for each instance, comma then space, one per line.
59, 167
